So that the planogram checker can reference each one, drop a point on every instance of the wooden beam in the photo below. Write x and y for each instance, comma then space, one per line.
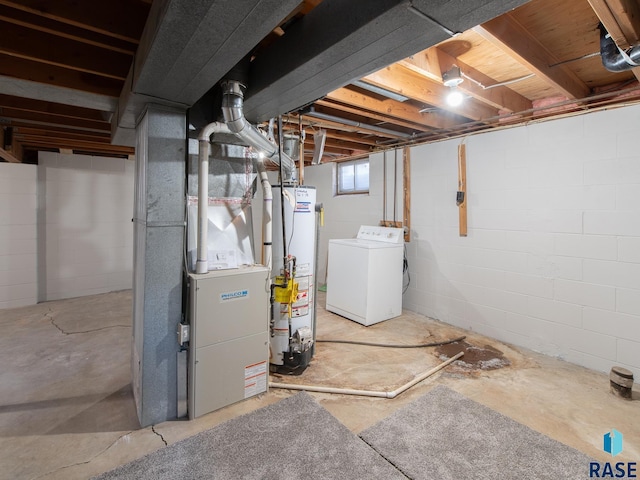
43, 24
69, 111
511, 37
122, 19
12, 66
392, 108
376, 116
400, 79
621, 18
406, 186
8, 157
433, 62
20, 128
462, 189
15, 113
76, 145
53, 50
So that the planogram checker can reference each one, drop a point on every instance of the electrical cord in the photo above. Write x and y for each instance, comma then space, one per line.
422, 345
405, 269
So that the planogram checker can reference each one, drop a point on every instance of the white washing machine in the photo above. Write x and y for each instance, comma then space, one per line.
364, 275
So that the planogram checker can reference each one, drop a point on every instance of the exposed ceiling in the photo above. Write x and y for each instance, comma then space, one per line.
75, 75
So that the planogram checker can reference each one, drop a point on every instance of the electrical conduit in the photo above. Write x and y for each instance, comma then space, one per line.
368, 393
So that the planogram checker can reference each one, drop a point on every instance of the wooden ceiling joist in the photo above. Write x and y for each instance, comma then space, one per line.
374, 116
390, 108
44, 117
511, 37
43, 24
404, 81
38, 46
433, 62
54, 108
621, 18
19, 67
120, 19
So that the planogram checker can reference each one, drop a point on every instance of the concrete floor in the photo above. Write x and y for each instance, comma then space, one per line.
67, 411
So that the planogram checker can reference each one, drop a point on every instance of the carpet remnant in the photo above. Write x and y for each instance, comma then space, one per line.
443, 435
293, 438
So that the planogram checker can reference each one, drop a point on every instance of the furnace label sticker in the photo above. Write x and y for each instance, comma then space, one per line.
236, 295
255, 379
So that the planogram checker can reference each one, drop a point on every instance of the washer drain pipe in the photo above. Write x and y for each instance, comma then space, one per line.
368, 393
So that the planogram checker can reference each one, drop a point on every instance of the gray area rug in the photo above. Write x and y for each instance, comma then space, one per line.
293, 438
443, 435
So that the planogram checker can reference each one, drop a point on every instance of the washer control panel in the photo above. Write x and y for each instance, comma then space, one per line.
381, 234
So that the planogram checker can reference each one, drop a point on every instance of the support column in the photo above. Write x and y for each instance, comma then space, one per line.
158, 258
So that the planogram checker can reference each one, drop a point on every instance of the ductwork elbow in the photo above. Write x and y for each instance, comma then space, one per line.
232, 111
615, 59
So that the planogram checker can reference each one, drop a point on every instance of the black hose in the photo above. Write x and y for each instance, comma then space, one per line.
422, 345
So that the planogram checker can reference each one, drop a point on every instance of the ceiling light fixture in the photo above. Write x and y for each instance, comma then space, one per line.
452, 78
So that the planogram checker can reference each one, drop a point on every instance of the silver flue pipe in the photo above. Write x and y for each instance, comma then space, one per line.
232, 110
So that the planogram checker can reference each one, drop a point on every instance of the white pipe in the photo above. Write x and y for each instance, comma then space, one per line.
367, 393
267, 214
204, 139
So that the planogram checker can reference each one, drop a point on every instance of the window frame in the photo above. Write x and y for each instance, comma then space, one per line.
338, 191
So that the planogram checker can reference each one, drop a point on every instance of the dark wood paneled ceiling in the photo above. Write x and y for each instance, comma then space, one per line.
538, 61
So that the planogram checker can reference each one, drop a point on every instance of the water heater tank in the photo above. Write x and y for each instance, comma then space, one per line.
293, 329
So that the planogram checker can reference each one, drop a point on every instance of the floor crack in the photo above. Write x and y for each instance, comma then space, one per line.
153, 429
53, 322
86, 461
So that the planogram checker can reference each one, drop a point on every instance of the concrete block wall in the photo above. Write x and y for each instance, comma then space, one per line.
18, 237
85, 230
552, 258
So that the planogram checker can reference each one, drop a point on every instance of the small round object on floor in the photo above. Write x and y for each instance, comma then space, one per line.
621, 382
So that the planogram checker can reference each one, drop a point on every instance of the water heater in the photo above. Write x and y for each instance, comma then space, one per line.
292, 328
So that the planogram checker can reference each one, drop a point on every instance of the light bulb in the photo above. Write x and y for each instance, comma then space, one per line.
455, 98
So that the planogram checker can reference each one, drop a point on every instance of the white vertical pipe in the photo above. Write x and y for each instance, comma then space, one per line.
202, 264
267, 214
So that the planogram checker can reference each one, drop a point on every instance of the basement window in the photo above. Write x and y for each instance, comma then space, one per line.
352, 177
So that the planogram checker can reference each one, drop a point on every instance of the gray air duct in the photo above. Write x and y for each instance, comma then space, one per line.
232, 102
615, 59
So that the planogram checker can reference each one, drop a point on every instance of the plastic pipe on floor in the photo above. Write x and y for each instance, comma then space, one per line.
368, 393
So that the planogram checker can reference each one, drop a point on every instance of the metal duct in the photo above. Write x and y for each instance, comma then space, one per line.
232, 110
353, 123
613, 58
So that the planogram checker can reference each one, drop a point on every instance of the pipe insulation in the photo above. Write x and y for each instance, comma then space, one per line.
614, 58
232, 110
204, 139
368, 393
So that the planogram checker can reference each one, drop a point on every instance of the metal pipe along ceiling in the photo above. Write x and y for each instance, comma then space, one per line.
613, 58
353, 123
